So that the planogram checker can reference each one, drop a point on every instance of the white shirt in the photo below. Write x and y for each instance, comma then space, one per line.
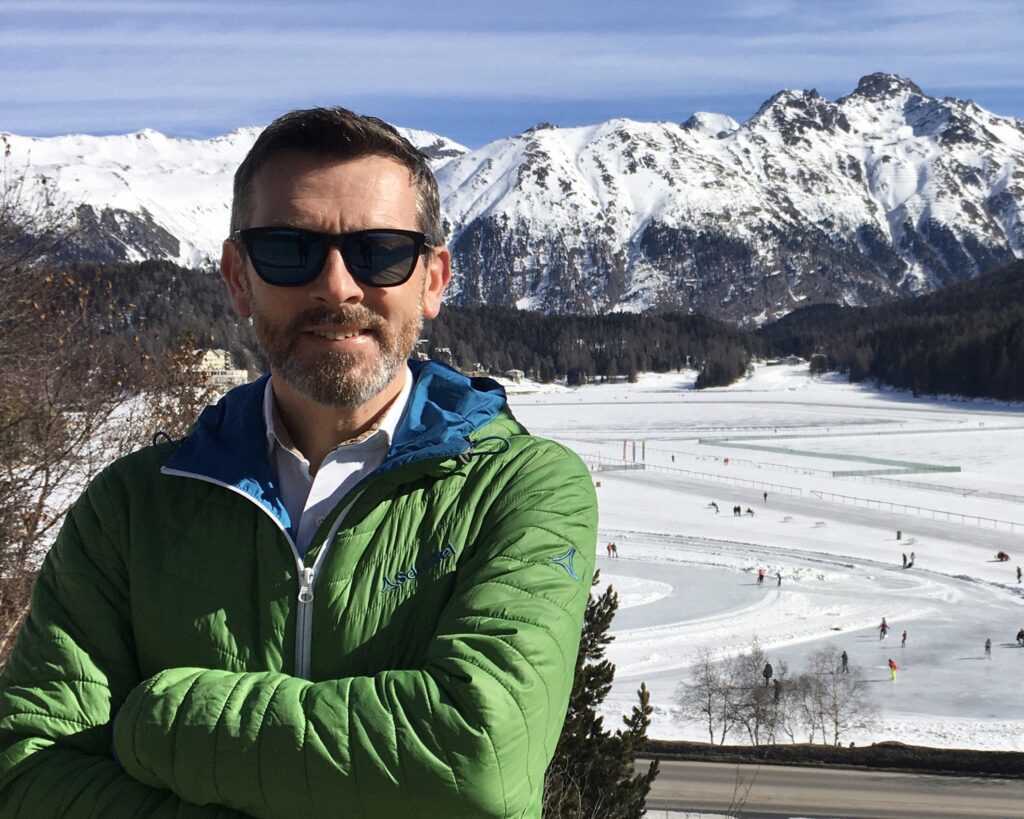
309, 498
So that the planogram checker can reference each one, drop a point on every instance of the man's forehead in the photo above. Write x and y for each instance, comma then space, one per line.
293, 164
334, 195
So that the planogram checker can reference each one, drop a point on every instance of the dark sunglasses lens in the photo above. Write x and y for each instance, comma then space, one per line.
286, 257
380, 258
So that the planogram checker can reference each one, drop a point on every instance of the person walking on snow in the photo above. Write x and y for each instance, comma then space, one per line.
988, 648
892, 669
1020, 637
883, 629
779, 576
760, 577
904, 560
1018, 574
903, 642
846, 661
767, 673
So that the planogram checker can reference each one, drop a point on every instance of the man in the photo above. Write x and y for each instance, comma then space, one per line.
846, 660
355, 589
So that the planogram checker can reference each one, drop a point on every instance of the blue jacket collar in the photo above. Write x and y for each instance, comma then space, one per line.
227, 445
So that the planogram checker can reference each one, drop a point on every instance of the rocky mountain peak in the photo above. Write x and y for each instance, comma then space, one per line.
792, 113
716, 126
882, 86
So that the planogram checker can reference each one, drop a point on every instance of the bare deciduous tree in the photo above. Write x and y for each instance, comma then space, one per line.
707, 696
732, 694
755, 701
68, 407
842, 696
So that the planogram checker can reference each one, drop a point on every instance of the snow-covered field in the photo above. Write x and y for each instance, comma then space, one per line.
687, 575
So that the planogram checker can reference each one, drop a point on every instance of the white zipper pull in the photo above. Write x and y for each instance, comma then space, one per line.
306, 585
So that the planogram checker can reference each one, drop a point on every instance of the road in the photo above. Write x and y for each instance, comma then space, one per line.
784, 791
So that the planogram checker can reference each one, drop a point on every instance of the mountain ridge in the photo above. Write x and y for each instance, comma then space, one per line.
883, 193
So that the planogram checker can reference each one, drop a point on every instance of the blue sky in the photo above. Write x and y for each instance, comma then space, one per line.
476, 71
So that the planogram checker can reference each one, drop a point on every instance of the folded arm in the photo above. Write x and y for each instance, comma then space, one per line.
72, 666
469, 733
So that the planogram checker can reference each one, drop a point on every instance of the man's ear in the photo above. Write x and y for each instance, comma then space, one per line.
439, 273
232, 270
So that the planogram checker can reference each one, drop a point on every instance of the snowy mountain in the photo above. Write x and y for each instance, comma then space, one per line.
146, 195
881, 193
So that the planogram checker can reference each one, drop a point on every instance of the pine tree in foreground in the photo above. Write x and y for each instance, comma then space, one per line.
592, 773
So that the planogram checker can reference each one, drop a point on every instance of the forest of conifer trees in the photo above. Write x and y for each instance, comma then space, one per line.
965, 340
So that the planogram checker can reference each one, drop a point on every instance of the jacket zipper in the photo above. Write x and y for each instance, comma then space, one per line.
307, 581
304, 622
306, 574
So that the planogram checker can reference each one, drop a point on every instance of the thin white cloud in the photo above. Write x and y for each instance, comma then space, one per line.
126, 58
470, 64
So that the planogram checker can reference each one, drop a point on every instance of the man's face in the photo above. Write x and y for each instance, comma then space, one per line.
337, 341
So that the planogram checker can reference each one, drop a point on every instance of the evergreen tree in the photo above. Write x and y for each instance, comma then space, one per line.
592, 773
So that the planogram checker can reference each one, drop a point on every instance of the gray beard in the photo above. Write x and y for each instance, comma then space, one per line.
331, 382
338, 380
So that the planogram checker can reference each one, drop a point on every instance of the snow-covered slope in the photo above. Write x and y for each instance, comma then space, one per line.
146, 195
881, 193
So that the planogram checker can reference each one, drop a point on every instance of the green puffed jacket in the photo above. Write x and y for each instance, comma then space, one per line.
180, 660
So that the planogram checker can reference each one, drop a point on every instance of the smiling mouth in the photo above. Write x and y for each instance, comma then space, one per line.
336, 335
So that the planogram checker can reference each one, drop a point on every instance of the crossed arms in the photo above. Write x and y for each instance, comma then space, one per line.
468, 733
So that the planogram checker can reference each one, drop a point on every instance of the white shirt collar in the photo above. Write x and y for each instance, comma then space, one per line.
381, 434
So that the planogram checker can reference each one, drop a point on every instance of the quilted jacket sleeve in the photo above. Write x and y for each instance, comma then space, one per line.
71, 668
469, 734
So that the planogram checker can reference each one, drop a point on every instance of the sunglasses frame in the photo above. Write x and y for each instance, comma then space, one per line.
421, 243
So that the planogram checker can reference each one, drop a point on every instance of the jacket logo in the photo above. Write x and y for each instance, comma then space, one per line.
565, 561
390, 584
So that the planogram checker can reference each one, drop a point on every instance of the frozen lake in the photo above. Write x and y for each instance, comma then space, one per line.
687, 576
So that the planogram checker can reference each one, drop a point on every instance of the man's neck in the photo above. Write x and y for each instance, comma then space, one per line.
315, 430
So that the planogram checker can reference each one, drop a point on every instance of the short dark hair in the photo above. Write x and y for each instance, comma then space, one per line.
337, 133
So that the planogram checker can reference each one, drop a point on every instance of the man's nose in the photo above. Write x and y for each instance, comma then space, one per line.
335, 284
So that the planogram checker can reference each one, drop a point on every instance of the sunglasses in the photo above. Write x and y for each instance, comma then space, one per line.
290, 257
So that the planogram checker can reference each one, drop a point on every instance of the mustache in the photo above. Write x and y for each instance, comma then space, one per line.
328, 317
